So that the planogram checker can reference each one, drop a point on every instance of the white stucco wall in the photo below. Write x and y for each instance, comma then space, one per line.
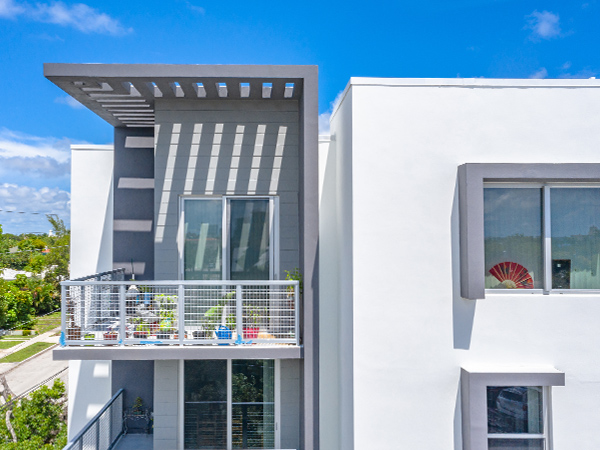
410, 331
91, 209
89, 390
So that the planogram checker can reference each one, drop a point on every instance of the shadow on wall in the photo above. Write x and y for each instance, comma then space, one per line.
463, 311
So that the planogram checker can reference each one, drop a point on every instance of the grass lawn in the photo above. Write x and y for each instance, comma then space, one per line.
22, 355
47, 323
8, 344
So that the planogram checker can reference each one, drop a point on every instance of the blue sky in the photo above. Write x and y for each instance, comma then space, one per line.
422, 38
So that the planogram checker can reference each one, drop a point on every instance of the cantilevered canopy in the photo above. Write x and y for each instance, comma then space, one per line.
124, 94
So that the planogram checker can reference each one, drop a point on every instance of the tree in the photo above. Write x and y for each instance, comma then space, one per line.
38, 422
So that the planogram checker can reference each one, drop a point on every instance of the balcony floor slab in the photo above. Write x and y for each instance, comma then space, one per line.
154, 352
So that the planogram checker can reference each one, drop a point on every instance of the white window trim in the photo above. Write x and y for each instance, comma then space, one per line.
474, 383
546, 236
274, 272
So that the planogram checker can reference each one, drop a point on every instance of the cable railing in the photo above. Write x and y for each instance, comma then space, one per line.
103, 431
100, 313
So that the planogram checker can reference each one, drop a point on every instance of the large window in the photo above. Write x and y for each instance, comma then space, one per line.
229, 404
542, 236
229, 238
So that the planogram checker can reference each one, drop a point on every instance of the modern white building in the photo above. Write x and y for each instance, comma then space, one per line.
460, 265
451, 289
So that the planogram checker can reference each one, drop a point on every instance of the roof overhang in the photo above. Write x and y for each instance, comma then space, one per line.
125, 94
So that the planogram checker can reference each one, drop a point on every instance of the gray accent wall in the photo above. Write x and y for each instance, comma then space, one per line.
134, 207
216, 148
137, 379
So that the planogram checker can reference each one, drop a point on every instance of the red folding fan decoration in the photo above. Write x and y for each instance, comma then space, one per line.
512, 275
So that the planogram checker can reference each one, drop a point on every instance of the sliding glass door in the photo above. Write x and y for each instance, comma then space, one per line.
229, 238
229, 404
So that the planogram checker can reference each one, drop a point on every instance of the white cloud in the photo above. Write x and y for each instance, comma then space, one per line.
198, 9
37, 166
543, 25
326, 116
566, 65
583, 73
69, 101
9, 9
541, 73
25, 201
78, 16
15, 144
324, 122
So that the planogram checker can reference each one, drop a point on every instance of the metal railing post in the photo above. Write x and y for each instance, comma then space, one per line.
297, 312
122, 314
63, 311
181, 313
239, 311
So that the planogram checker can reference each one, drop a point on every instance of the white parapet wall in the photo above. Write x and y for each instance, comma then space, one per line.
91, 209
397, 332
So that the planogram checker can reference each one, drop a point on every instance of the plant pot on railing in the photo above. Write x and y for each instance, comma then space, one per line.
202, 333
110, 336
251, 333
223, 332
74, 333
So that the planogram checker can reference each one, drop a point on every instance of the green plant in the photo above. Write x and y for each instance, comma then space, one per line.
143, 327
138, 406
294, 275
214, 315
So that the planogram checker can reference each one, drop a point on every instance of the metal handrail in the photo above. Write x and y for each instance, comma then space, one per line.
102, 302
184, 282
73, 442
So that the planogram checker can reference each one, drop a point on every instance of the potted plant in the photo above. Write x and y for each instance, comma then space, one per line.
252, 322
165, 329
141, 331
110, 335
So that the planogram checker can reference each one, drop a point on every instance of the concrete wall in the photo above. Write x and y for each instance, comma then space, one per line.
412, 332
216, 148
166, 404
89, 390
134, 207
91, 209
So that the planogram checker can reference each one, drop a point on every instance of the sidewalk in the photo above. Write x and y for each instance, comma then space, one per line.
45, 337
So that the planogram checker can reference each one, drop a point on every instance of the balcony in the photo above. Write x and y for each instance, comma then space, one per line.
98, 312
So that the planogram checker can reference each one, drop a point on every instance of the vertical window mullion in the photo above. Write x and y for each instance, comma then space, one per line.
229, 405
225, 240
547, 237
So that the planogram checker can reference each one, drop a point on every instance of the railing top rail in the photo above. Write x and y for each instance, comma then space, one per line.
185, 283
93, 420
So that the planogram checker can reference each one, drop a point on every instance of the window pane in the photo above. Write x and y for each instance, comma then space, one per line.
516, 444
253, 390
515, 410
575, 216
513, 238
249, 235
205, 425
202, 248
